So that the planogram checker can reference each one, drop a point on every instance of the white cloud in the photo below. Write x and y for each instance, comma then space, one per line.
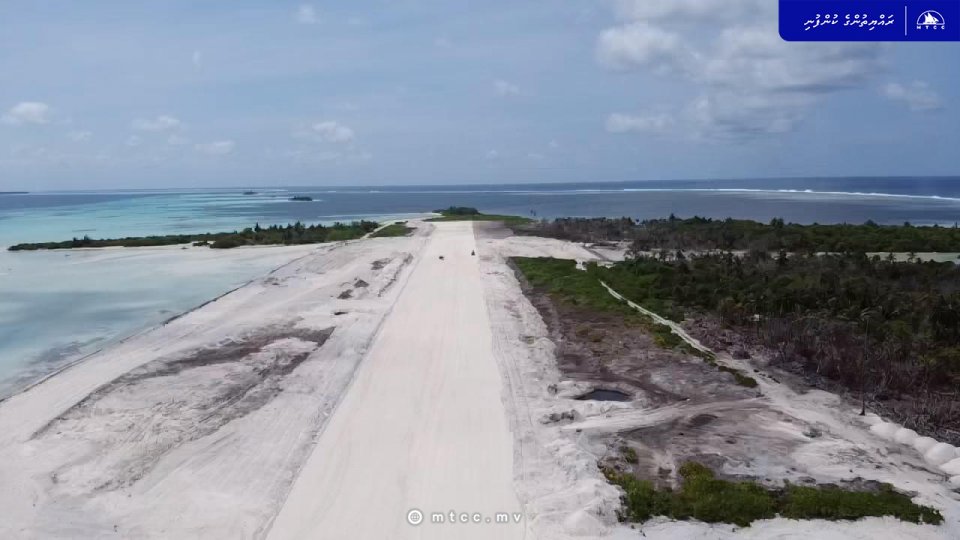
750, 82
334, 132
197, 59
505, 89
215, 148
918, 95
640, 44
306, 14
134, 140
28, 112
553, 145
492, 155
160, 123
622, 123
80, 136
177, 140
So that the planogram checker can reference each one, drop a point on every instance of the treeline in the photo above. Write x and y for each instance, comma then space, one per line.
458, 211
881, 327
699, 233
467, 213
583, 229
291, 234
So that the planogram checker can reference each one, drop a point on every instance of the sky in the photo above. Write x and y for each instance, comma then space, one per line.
131, 94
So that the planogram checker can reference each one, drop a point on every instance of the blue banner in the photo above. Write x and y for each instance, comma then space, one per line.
870, 20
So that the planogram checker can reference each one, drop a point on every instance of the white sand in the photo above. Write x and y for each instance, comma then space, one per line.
150, 459
57, 306
844, 451
422, 425
566, 497
435, 392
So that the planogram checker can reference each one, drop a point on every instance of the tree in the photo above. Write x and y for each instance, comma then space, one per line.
727, 309
868, 317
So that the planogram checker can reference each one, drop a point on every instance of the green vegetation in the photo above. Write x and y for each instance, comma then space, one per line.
459, 211
392, 230
297, 233
565, 283
699, 233
466, 213
870, 323
664, 337
880, 327
704, 497
742, 380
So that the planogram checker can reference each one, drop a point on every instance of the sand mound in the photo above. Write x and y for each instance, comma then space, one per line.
886, 430
922, 444
951, 467
940, 453
905, 436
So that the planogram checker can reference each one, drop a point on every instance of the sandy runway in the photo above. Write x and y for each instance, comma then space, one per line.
422, 426
370, 382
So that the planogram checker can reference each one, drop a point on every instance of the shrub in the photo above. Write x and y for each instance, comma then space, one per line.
704, 497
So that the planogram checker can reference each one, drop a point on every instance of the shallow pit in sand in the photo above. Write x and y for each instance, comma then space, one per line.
605, 394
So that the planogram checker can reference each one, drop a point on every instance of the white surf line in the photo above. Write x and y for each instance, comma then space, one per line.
421, 434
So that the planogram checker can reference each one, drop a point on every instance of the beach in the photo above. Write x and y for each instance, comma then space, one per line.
157, 436
56, 307
365, 380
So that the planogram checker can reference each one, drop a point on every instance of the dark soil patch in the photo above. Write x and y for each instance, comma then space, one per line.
602, 394
701, 420
610, 350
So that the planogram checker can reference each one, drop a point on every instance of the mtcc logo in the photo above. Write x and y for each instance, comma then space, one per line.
930, 20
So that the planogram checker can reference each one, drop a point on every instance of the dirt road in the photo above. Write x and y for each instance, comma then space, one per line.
422, 427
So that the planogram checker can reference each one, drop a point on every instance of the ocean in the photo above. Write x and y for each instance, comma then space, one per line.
56, 307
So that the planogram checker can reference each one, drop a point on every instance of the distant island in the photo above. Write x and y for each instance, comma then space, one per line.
720, 327
467, 213
14, 192
295, 234
301, 198
249, 192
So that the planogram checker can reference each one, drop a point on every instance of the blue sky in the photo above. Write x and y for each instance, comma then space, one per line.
176, 94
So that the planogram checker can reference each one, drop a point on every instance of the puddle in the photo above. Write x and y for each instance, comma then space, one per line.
602, 394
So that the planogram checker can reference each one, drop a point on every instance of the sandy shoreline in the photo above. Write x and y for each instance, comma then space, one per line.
59, 307
155, 437
364, 380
